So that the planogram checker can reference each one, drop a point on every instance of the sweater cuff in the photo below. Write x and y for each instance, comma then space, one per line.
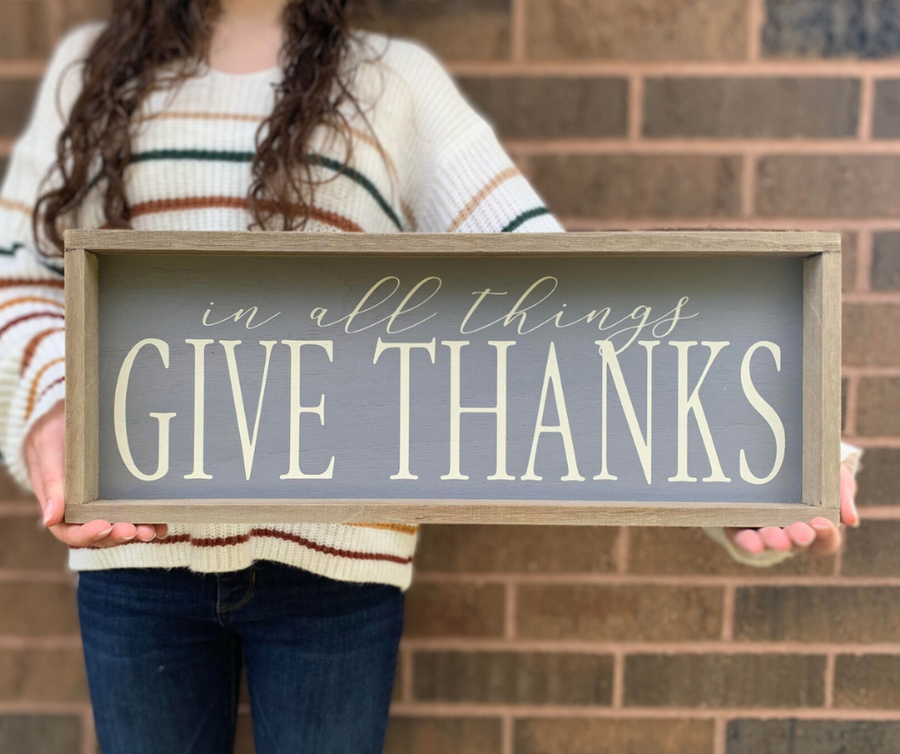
39, 389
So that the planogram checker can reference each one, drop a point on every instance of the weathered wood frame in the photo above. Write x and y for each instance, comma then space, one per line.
85, 250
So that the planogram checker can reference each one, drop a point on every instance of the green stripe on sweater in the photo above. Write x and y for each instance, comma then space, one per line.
225, 156
524, 217
11, 251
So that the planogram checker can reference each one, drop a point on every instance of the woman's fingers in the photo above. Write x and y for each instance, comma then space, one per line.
748, 539
797, 536
828, 537
849, 513
82, 535
801, 534
34, 474
775, 538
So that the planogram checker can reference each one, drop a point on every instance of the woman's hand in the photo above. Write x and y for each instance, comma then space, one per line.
45, 456
819, 536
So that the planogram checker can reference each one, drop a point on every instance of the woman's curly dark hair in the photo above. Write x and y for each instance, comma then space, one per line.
123, 67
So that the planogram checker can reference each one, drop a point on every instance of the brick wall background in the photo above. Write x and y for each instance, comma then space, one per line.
626, 114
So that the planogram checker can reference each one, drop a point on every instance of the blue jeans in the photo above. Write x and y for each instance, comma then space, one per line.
164, 649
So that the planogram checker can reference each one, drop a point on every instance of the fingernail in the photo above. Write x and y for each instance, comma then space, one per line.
856, 514
47, 514
162, 536
128, 539
104, 533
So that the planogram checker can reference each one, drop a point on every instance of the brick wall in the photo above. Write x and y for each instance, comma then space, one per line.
626, 114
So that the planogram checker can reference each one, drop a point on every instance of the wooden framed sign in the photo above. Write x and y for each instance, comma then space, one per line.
657, 378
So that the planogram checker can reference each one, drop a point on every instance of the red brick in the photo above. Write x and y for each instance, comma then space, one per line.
885, 262
627, 185
243, 736
25, 544
871, 335
10, 490
867, 681
879, 478
42, 675
513, 678
453, 29
512, 549
724, 680
454, 610
636, 29
423, 735
720, 107
852, 614
829, 185
40, 734
529, 107
812, 737
620, 613
848, 261
873, 549
613, 736
878, 406
23, 33
831, 29
79, 11
39, 610
16, 100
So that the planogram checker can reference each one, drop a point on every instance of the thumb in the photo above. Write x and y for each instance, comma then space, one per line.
53, 460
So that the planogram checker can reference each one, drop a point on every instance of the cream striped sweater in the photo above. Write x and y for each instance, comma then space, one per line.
439, 167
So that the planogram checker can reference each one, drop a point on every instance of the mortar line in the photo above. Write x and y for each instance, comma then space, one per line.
406, 674
748, 184
851, 403
509, 611
720, 732
612, 647
520, 712
773, 223
762, 68
866, 107
828, 680
622, 549
635, 107
864, 253
618, 680
506, 734
755, 22
633, 144
88, 732
728, 600
518, 31
686, 580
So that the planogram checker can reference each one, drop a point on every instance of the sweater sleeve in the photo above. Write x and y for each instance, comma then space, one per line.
850, 456
32, 344
462, 179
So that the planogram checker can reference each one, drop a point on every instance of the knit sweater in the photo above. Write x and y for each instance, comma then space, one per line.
436, 165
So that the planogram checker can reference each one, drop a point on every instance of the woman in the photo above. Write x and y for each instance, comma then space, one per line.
194, 111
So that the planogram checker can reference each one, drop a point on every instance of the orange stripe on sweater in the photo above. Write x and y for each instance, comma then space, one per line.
33, 346
31, 299
16, 206
466, 212
32, 395
401, 528
234, 202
